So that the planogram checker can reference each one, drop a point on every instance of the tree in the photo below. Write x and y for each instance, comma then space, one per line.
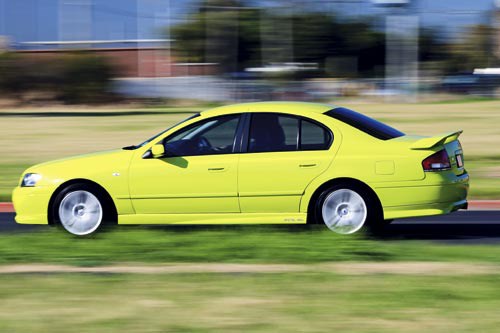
235, 36
222, 32
476, 50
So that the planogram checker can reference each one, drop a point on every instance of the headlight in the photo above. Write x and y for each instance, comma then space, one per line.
30, 179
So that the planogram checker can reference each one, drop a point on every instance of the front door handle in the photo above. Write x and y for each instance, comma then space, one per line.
307, 165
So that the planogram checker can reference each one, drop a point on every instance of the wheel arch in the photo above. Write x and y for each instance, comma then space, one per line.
336, 181
107, 197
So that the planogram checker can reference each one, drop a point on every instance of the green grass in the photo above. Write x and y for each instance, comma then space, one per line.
467, 99
297, 302
31, 136
8, 174
251, 244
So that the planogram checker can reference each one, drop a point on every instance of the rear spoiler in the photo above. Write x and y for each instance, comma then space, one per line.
433, 141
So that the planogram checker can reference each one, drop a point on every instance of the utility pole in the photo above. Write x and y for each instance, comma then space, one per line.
277, 37
402, 35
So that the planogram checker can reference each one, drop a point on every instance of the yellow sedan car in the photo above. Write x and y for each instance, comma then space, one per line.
273, 162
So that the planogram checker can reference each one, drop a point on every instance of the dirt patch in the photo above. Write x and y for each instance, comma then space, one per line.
404, 268
416, 268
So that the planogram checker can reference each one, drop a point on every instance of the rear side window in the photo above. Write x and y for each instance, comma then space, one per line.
313, 136
366, 124
271, 132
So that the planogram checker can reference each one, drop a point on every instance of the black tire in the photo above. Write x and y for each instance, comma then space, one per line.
373, 210
109, 216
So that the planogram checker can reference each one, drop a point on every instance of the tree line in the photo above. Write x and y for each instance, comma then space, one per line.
236, 36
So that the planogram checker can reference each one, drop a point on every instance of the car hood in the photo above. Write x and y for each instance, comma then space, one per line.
98, 167
80, 158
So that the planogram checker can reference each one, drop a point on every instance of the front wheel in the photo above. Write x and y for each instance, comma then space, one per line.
80, 209
345, 209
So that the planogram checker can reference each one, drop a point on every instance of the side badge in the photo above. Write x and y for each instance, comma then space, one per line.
116, 174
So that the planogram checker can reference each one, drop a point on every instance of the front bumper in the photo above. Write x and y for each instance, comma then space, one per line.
31, 204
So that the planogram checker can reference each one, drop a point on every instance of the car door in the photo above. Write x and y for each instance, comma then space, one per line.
284, 153
198, 173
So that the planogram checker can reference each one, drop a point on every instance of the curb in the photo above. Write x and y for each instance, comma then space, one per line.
484, 205
7, 207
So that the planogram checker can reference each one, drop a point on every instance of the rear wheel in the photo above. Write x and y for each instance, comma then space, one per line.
346, 208
81, 209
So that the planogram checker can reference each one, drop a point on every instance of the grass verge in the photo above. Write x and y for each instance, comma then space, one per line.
236, 244
296, 302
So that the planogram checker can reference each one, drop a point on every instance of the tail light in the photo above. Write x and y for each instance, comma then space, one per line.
437, 161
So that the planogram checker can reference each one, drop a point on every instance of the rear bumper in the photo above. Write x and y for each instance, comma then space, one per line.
461, 205
399, 212
435, 195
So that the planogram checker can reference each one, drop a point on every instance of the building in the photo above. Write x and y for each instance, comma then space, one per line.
131, 58
133, 34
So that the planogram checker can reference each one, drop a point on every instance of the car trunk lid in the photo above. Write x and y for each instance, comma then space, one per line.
448, 141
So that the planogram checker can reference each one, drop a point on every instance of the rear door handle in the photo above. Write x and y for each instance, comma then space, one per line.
307, 165
217, 169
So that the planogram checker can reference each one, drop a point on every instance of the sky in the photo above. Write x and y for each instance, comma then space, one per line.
451, 15
40, 20
50, 20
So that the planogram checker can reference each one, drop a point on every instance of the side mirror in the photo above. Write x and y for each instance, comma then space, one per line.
158, 150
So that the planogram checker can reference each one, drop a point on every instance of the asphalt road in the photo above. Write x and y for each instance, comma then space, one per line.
464, 227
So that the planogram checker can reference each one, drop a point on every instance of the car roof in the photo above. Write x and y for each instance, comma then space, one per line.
302, 107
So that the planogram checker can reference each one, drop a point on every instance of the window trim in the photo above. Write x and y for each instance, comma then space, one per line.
314, 122
246, 133
243, 132
236, 145
156, 136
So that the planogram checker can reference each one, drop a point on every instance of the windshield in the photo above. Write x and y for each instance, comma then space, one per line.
161, 133
366, 124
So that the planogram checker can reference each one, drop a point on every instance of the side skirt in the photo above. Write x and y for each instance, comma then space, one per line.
225, 218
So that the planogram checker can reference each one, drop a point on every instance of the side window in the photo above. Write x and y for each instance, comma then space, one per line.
208, 137
313, 136
272, 132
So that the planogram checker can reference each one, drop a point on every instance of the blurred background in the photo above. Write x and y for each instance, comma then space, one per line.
84, 75
76, 51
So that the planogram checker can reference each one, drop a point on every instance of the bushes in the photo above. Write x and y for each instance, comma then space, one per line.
78, 77
13, 75
86, 78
